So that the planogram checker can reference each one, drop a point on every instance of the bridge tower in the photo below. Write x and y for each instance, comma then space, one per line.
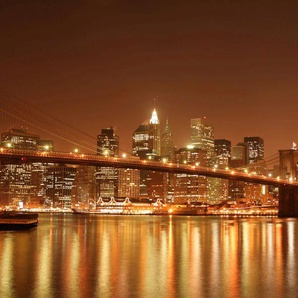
288, 201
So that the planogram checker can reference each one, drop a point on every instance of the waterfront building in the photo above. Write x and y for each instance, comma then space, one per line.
59, 184
107, 177
84, 190
129, 183
190, 188
22, 181
156, 185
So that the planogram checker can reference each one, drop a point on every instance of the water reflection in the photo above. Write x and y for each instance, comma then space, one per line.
147, 256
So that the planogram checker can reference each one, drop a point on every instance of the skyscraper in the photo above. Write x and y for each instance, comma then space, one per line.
154, 134
146, 145
222, 149
187, 187
107, 177
108, 142
140, 142
167, 145
202, 136
146, 138
255, 148
223, 157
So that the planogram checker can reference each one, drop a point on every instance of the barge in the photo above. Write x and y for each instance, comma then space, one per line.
13, 220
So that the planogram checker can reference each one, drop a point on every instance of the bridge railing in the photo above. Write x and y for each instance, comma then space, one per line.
151, 164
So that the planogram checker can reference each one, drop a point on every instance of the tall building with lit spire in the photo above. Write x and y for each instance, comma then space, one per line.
154, 134
146, 138
146, 145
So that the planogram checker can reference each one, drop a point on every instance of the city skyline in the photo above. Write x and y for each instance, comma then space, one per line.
96, 65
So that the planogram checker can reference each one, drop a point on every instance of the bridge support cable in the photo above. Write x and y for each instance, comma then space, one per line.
21, 113
27, 115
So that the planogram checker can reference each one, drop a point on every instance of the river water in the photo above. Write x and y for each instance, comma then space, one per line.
71, 255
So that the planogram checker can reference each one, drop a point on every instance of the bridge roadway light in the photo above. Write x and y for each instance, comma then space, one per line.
124, 155
76, 150
8, 145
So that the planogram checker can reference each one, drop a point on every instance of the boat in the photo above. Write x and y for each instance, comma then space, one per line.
80, 211
15, 220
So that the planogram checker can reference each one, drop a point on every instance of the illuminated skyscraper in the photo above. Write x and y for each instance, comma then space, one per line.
59, 183
202, 136
154, 134
223, 157
129, 183
223, 152
187, 187
146, 145
167, 146
140, 142
107, 177
146, 138
108, 142
255, 148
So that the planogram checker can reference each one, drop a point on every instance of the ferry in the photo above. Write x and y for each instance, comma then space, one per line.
14, 220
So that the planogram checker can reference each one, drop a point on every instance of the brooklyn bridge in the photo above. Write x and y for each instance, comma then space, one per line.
13, 108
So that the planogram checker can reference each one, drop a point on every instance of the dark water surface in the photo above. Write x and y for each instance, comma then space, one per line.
151, 256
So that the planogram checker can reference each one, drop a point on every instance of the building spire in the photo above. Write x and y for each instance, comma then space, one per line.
167, 127
154, 117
